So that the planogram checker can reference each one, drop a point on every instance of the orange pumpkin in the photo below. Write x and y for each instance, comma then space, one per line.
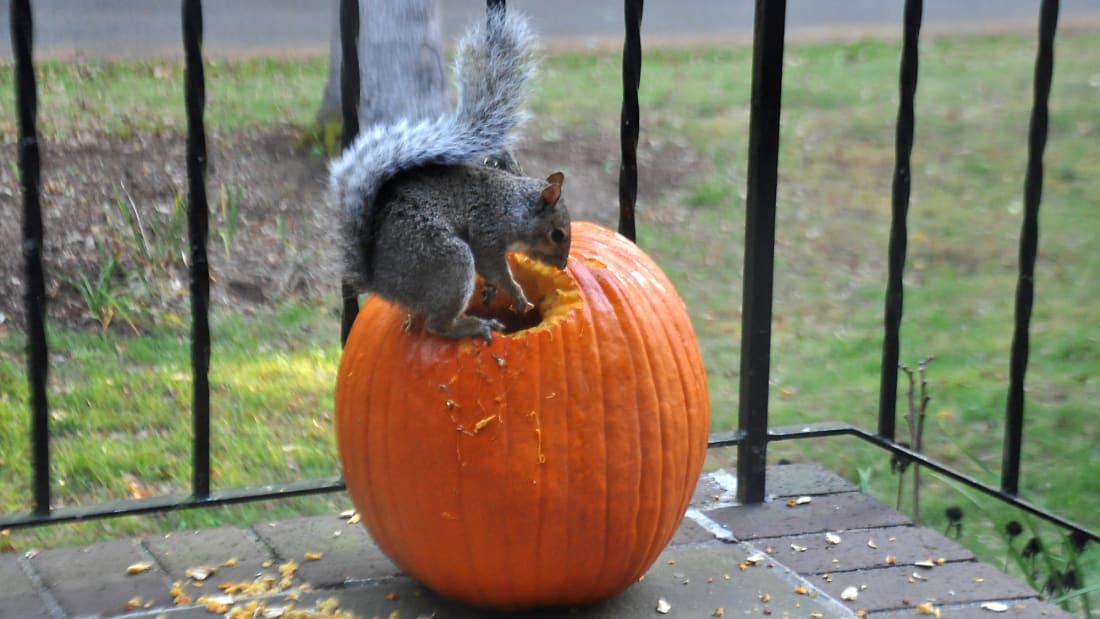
547, 469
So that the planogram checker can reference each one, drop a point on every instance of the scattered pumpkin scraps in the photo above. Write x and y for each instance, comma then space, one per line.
239, 600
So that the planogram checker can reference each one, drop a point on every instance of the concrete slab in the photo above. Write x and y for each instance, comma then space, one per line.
691, 533
93, 580
695, 582
1017, 609
834, 512
905, 586
347, 551
792, 480
19, 597
814, 554
235, 554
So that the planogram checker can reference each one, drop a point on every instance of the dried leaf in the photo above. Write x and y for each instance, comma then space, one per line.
871, 544
801, 590
802, 500
927, 563
719, 612
832, 538
313, 556
850, 594
797, 548
663, 606
997, 607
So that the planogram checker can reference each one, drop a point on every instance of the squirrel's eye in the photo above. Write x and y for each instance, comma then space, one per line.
557, 235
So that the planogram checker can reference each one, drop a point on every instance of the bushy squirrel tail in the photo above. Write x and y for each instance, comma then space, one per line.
493, 67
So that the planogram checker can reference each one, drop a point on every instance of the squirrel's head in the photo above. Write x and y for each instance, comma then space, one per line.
550, 242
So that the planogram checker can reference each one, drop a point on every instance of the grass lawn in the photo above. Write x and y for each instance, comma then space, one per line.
118, 402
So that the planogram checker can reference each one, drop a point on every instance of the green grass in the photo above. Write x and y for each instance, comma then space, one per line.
273, 377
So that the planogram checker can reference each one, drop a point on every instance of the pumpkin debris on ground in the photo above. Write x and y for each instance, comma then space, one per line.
237, 600
139, 568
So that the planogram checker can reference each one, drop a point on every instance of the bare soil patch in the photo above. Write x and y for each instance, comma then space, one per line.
107, 199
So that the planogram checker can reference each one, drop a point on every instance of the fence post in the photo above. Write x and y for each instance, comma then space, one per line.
629, 118
349, 105
760, 203
38, 364
895, 287
198, 214
1029, 246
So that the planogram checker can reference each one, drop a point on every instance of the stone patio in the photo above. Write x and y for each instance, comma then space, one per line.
772, 559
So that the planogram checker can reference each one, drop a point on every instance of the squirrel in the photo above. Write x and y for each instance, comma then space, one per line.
423, 206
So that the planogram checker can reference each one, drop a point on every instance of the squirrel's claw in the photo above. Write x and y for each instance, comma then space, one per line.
488, 293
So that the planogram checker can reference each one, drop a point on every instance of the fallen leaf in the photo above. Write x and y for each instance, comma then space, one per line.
850, 594
313, 556
800, 590
927, 564
802, 500
719, 612
832, 538
797, 548
997, 607
871, 544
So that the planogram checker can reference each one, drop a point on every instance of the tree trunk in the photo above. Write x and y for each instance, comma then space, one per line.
401, 63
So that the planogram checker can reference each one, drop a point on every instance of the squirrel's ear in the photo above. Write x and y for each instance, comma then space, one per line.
551, 194
557, 178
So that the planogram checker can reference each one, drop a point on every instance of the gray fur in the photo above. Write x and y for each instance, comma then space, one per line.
418, 216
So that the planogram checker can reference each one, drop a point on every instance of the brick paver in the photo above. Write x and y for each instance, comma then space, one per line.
347, 552
233, 554
94, 580
19, 597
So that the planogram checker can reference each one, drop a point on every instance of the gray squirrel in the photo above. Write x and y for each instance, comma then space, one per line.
422, 206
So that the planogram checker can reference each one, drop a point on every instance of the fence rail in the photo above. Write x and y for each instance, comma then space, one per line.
753, 435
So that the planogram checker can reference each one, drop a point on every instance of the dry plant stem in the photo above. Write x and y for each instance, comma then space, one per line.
915, 420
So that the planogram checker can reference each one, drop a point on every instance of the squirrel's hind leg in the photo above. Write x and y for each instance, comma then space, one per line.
449, 297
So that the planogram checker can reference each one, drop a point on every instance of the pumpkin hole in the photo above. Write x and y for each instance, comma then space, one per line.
512, 320
552, 291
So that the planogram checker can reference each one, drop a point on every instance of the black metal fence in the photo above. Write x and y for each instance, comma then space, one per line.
754, 434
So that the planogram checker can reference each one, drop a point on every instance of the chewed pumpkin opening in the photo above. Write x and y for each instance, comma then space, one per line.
553, 292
